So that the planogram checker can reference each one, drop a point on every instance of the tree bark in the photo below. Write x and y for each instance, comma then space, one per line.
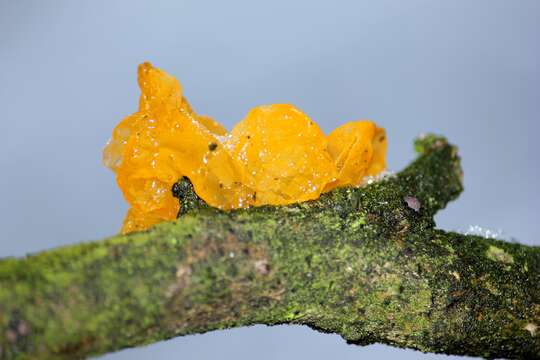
366, 263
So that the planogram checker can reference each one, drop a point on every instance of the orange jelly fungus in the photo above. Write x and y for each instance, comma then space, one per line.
277, 155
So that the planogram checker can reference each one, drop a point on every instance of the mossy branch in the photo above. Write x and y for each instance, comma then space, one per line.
365, 263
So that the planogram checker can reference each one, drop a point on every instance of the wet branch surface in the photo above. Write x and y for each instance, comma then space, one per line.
365, 263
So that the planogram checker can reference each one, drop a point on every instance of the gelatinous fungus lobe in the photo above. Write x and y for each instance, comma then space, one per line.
151, 149
276, 155
283, 153
358, 149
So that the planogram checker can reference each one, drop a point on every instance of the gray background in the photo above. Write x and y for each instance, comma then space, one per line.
467, 69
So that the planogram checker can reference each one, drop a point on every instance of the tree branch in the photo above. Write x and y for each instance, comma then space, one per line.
365, 263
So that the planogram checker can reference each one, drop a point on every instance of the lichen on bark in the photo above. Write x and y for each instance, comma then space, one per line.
359, 262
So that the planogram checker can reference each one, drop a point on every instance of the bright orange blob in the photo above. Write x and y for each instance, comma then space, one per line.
283, 153
358, 149
277, 155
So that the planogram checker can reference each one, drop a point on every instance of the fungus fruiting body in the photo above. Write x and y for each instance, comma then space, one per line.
276, 155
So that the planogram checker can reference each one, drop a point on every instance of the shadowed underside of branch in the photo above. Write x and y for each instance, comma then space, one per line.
365, 263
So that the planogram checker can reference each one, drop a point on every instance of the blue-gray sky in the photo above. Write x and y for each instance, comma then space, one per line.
468, 69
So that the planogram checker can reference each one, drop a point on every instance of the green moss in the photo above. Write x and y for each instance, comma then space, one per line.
497, 254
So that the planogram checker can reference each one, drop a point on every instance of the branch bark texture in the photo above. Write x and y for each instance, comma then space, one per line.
366, 263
